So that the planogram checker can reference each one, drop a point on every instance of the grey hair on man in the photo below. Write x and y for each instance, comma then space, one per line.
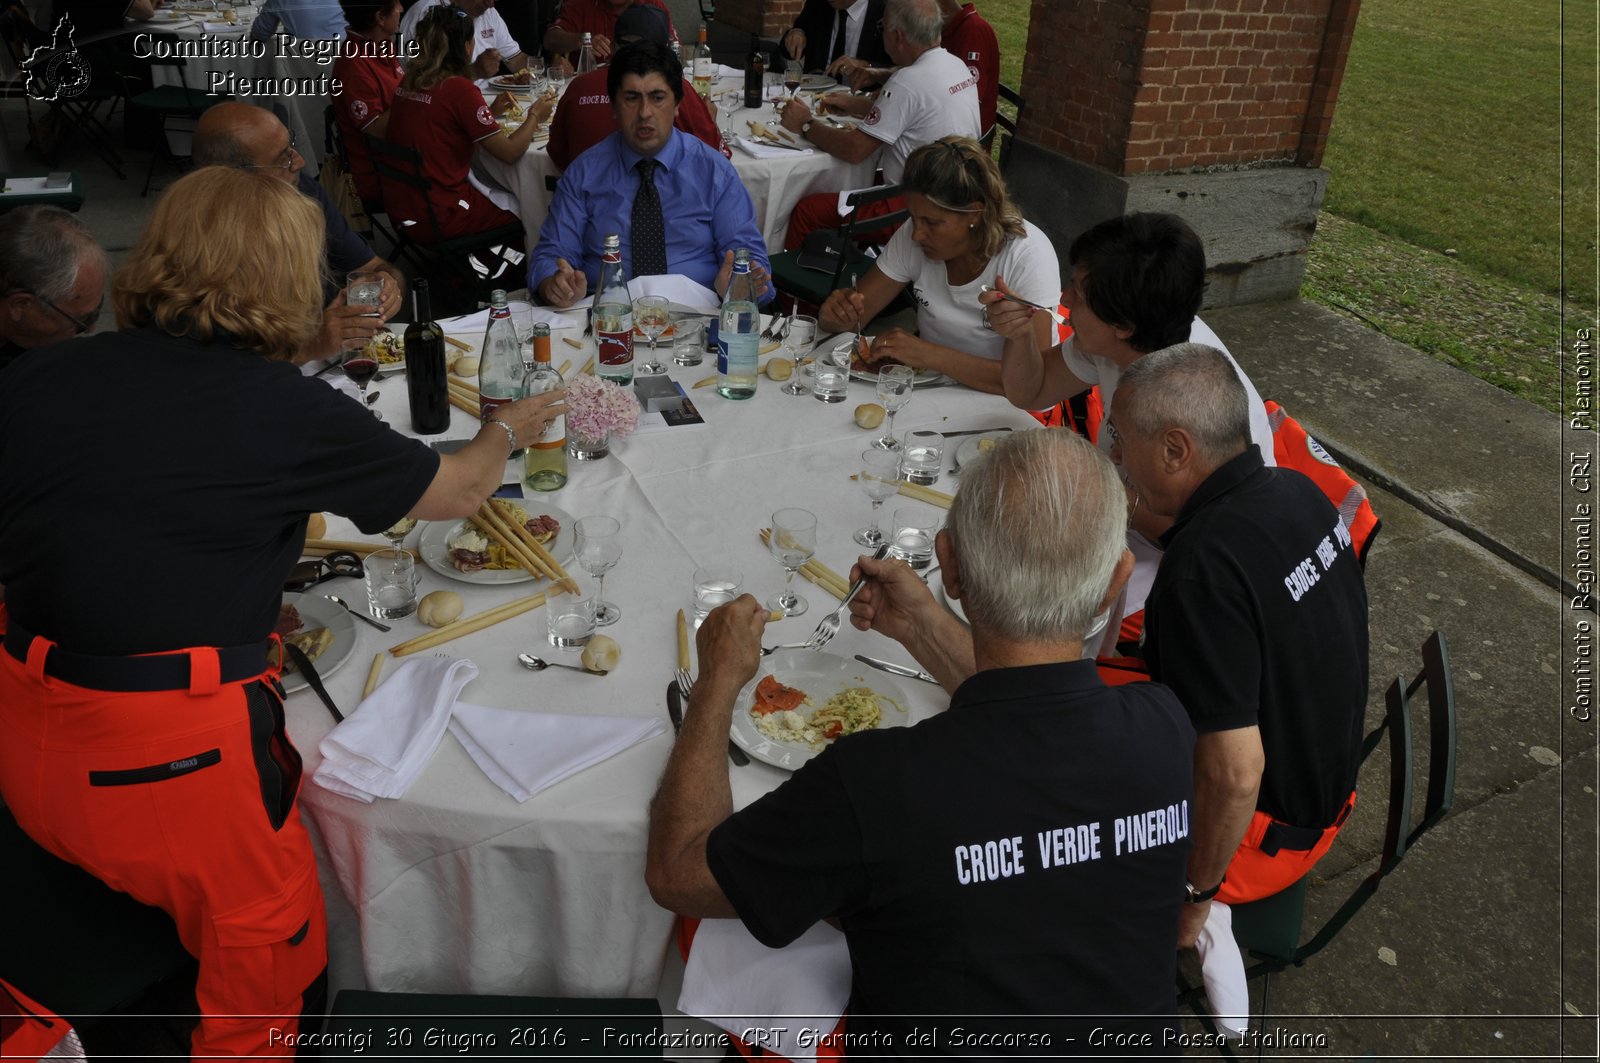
920, 21
1038, 527
1189, 386
42, 250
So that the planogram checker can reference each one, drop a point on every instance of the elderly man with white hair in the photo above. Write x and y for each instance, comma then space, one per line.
1020, 854
52, 279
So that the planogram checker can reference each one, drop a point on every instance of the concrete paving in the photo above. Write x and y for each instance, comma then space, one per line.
1483, 943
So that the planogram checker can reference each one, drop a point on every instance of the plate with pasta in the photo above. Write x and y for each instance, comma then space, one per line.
802, 700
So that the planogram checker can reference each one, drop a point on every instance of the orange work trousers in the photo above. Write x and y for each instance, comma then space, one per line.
184, 799
1254, 873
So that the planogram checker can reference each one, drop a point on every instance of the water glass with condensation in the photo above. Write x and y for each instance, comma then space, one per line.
689, 340
391, 584
714, 585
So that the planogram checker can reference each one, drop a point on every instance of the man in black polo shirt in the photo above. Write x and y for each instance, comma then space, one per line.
1257, 619
1021, 854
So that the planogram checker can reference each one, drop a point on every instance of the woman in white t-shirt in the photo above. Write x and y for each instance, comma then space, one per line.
964, 231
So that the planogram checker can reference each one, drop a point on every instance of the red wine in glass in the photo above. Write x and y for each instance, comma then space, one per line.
361, 370
792, 83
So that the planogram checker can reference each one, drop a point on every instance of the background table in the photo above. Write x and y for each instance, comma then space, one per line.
775, 185
456, 887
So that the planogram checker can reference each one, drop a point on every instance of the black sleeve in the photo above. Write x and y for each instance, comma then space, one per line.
793, 857
1205, 645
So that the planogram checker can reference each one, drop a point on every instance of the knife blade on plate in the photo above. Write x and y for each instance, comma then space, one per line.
896, 669
977, 431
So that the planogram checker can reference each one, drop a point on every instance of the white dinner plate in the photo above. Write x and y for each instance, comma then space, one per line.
968, 450
318, 612
817, 82
821, 676
436, 535
921, 379
505, 84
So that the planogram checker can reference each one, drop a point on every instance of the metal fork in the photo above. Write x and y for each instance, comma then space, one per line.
686, 687
829, 626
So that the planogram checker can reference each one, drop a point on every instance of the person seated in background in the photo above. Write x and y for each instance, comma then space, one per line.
1137, 283
834, 37
677, 204
245, 137
492, 44
52, 279
964, 231
597, 18
583, 118
965, 33
370, 79
960, 901
306, 20
931, 96
439, 112
1257, 621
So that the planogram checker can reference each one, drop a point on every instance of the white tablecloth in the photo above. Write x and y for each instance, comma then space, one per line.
456, 887
775, 185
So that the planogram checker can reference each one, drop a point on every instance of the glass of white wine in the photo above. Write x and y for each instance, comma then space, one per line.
651, 317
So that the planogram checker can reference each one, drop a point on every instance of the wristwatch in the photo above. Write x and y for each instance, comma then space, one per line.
1196, 896
805, 129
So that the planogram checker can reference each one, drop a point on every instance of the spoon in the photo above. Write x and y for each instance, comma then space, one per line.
536, 664
335, 599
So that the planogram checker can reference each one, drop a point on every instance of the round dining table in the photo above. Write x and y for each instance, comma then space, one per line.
455, 886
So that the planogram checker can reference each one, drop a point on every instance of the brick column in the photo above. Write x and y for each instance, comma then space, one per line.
1217, 110
768, 18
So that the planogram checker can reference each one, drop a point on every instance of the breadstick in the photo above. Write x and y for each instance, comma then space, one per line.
321, 547
683, 641
485, 619
372, 675
502, 509
462, 404
484, 523
458, 344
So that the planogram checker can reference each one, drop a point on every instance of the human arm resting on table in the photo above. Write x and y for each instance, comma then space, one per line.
896, 603
694, 795
1034, 375
471, 474
509, 147
980, 374
851, 145
1227, 780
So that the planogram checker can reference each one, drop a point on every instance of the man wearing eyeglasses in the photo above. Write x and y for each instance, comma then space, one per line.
246, 137
54, 277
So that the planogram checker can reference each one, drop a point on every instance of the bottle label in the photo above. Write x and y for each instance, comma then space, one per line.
487, 404
554, 439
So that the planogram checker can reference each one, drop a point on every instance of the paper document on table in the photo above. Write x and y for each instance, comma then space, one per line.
676, 288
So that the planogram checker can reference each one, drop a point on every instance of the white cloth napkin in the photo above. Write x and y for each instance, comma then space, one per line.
1222, 971
767, 151
678, 288
380, 749
735, 982
526, 752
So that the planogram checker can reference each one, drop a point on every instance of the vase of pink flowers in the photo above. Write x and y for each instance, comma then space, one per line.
598, 413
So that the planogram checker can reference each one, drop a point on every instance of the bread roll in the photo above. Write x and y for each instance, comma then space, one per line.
601, 654
869, 415
317, 527
439, 608
779, 367
466, 365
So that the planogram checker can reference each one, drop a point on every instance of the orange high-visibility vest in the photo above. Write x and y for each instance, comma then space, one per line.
1295, 448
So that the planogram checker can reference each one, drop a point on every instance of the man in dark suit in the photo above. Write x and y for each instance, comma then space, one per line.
830, 30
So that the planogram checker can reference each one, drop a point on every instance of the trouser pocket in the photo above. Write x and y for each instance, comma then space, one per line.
172, 769
278, 765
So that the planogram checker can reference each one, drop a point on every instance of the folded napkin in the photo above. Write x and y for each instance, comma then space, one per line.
1222, 971
768, 151
733, 981
384, 745
678, 288
525, 752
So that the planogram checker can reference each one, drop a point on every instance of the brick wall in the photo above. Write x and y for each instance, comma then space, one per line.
1152, 86
766, 17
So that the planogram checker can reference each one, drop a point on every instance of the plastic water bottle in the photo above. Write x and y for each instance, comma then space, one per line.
613, 316
739, 333
500, 367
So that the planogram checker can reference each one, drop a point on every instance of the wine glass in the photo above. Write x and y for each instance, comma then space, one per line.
880, 478
801, 336
793, 542
360, 368
791, 76
894, 391
599, 550
651, 317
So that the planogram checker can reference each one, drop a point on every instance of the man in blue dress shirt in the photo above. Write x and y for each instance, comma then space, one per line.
704, 210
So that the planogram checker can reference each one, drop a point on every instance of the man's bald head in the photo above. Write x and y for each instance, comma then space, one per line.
245, 137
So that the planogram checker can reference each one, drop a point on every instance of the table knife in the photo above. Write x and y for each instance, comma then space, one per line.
977, 431
896, 669
675, 706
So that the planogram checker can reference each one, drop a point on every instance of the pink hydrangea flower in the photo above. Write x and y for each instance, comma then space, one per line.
597, 409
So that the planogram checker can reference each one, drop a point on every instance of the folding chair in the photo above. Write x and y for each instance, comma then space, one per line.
525, 1027
1005, 123
1269, 930
465, 267
814, 285
177, 106
334, 148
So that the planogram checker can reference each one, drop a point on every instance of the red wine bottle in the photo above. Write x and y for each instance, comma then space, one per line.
425, 369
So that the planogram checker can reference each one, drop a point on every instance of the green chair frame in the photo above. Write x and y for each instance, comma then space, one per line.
813, 286
1270, 929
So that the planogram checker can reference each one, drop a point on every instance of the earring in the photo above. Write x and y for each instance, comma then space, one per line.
972, 225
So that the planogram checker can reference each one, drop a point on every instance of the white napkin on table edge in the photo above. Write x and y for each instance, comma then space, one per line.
733, 981
763, 151
524, 752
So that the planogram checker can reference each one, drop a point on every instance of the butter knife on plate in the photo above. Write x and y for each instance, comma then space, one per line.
896, 669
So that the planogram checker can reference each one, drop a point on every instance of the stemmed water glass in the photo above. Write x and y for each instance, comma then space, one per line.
599, 550
800, 338
651, 317
793, 542
879, 478
894, 391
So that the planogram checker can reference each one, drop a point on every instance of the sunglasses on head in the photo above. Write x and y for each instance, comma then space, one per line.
321, 569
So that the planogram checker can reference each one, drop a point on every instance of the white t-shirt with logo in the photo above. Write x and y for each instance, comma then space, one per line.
489, 30
934, 97
951, 316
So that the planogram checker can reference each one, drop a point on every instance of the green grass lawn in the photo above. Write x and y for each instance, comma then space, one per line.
1443, 222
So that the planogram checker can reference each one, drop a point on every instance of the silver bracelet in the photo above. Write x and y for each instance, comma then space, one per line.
511, 434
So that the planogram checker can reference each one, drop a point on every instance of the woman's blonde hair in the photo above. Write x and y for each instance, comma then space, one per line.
228, 251
444, 48
954, 173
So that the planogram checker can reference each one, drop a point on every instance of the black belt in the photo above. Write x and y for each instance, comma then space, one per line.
1286, 836
165, 671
